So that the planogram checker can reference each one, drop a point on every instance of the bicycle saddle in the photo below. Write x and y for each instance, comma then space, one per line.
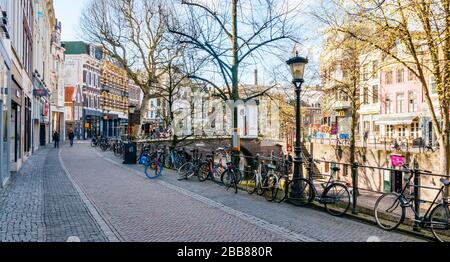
446, 182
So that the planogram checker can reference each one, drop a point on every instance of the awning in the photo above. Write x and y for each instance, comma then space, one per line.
396, 120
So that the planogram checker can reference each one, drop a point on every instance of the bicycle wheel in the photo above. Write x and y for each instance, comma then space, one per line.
251, 184
216, 174
268, 185
184, 168
228, 178
299, 192
389, 211
336, 199
281, 190
116, 150
153, 170
439, 223
203, 172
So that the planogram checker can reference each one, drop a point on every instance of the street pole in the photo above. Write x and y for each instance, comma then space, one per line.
298, 161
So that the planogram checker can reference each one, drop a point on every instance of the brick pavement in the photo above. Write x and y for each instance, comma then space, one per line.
169, 210
41, 204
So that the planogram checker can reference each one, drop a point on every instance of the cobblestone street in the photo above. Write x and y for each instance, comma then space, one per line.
91, 195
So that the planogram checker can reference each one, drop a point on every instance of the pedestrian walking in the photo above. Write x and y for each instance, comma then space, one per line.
366, 137
71, 137
56, 139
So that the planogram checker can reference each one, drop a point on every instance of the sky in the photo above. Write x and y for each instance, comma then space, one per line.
68, 12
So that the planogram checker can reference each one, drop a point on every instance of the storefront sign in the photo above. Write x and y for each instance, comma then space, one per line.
40, 92
397, 160
341, 113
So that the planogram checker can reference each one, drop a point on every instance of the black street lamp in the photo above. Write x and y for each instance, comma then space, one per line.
297, 65
131, 111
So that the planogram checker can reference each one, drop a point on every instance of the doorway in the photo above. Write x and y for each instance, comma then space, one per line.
42, 135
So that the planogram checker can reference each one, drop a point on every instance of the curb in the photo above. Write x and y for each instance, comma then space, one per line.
95, 212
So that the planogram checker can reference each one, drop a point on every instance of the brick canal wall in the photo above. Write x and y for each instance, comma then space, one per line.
374, 179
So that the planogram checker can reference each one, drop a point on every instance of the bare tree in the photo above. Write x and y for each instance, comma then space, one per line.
346, 55
230, 35
414, 33
134, 34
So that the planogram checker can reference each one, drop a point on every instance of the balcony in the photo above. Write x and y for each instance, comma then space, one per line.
342, 105
370, 109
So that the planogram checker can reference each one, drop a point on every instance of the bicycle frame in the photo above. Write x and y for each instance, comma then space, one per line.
406, 202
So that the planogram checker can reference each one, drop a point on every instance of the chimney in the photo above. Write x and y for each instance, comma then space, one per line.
256, 77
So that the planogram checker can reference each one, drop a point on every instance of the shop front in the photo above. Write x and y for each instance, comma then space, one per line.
16, 126
91, 127
5, 76
110, 125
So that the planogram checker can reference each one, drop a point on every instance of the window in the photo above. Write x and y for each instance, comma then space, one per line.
388, 78
375, 95
400, 102
412, 104
365, 72
388, 105
401, 132
366, 95
389, 131
411, 76
375, 69
400, 75
84, 76
415, 130
433, 85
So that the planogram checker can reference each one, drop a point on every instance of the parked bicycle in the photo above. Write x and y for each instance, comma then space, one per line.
118, 148
95, 141
390, 211
191, 168
177, 158
399, 146
335, 195
210, 169
152, 162
231, 176
264, 181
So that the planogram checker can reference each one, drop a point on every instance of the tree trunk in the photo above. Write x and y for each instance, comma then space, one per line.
352, 136
235, 75
171, 119
144, 109
444, 157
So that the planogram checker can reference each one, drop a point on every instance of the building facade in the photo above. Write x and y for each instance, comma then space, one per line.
5, 87
370, 89
402, 103
57, 108
114, 99
82, 70
22, 25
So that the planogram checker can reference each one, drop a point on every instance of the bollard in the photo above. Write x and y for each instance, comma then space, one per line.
355, 187
416, 174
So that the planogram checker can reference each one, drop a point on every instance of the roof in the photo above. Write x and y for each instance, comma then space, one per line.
75, 47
